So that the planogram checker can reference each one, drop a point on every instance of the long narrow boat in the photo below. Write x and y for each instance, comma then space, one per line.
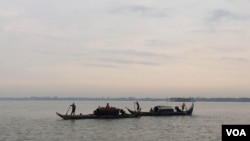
165, 111
101, 113
92, 116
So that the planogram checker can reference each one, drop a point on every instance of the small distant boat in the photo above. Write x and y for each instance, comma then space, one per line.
100, 113
165, 111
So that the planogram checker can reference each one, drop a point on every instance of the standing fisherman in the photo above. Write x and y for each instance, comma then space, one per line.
138, 106
183, 106
107, 108
73, 109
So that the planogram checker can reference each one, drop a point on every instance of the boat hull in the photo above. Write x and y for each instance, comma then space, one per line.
92, 116
174, 113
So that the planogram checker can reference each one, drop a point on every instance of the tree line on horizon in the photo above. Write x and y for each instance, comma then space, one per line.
173, 99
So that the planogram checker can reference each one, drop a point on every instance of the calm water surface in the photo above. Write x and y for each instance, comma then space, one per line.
37, 121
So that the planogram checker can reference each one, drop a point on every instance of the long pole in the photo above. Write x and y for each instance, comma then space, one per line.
68, 110
134, 105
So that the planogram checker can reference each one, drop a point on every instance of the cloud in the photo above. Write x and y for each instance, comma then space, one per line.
235, 59
101, 65
227, 49
134, 53
225, 21
117, 58
8, 13
164, 44
140, 10
119, 61
219, 15
153, 56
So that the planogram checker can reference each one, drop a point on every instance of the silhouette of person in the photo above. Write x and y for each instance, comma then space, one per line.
183, 106
73, 109
107, 107
138, 106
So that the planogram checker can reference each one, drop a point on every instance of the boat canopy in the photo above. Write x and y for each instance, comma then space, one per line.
163, 107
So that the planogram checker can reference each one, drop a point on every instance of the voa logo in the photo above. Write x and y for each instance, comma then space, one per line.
236, 132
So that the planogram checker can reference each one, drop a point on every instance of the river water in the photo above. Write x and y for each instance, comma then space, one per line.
37, 121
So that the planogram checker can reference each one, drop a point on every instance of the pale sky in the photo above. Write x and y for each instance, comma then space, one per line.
115, 48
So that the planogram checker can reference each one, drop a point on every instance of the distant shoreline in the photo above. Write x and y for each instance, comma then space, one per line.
173, 99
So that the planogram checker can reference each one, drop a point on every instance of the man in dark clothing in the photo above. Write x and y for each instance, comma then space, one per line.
183, 106
138, 106
73, 109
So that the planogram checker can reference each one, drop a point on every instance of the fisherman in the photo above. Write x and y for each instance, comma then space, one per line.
122, 112
107, 107
151, 109
183, 106
73, 109
138, 106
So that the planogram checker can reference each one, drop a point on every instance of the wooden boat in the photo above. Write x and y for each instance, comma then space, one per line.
100, 113
92, 116
165, 111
